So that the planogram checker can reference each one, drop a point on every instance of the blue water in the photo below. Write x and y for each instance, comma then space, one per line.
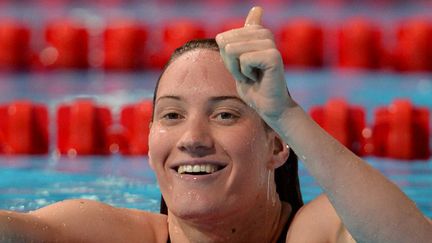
31, 182
28, 183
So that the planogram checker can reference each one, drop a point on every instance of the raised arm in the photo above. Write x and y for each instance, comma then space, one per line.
370, 206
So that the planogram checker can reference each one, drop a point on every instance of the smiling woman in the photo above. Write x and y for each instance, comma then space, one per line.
212, 141
223, 120
286, 176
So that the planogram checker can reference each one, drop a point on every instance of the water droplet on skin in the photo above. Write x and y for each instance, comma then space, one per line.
176, 229
9, 219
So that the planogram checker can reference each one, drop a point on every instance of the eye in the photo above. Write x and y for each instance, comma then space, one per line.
226, 116
172, 116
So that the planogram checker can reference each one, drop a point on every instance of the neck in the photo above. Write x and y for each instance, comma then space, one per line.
264, 225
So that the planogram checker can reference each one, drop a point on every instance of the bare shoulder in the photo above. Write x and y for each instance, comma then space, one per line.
91, 221
318, 221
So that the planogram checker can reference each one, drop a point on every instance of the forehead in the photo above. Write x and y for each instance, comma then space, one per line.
197, 72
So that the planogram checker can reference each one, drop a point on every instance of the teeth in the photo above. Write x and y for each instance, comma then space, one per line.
207, 168
196, 168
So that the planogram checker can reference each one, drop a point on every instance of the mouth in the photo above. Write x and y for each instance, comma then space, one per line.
198, 169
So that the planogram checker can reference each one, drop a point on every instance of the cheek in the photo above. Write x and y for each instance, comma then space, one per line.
160, 143
250, 147
249, 152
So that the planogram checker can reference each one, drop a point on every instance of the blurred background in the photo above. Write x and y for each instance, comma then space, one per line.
76, 78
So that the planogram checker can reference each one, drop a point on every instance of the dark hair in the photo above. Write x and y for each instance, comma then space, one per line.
286, 176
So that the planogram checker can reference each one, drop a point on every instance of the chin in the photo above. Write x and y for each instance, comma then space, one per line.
199, 208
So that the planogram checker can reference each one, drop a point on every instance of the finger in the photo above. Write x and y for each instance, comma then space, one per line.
250, 72
248, 68
253, 64
233, 65
234, 50
254, 16
244, 34
238, 48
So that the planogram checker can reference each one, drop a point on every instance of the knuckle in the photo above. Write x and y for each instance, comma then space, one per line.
269, 43
243, 58
271, 35
267, 34
254, 27
229, 49
219, 39
274, 53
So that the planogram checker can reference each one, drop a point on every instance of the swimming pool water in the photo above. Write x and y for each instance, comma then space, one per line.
30, 182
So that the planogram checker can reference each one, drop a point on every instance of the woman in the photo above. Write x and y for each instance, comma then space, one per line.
222, 120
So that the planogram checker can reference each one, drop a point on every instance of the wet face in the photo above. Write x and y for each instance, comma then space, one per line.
210, 151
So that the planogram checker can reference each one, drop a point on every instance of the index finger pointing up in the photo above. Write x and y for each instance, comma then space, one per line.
254, 16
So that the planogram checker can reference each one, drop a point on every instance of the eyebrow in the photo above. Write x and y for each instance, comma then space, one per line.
222, 98
213, 99
168, 97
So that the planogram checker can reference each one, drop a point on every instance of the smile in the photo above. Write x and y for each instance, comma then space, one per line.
198, 169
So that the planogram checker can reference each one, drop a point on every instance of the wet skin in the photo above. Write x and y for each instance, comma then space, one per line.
235, 204
213, 126
199, 119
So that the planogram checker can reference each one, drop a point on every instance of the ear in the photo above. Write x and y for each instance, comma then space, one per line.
280, 152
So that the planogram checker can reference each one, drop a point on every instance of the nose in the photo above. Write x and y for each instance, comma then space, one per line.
196, 140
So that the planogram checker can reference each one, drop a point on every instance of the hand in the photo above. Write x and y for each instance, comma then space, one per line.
250, 54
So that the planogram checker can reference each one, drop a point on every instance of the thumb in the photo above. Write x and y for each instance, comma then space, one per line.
254, 16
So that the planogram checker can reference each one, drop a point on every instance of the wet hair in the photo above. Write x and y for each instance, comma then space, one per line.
286, 176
